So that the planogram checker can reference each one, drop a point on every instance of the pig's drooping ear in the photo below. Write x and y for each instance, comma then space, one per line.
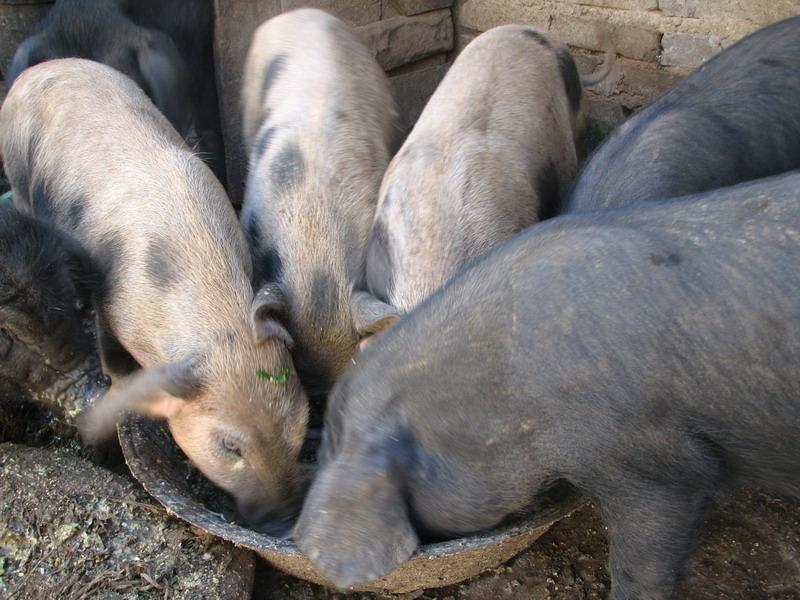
167, 80
267, 314
354, 525
371, 315
160, 392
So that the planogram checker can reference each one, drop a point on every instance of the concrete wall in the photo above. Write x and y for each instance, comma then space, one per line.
411, 39
657, 41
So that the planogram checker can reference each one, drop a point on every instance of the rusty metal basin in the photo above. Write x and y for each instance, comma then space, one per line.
160, 466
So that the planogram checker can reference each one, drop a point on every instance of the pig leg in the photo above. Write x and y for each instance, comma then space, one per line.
117, 362
652, 533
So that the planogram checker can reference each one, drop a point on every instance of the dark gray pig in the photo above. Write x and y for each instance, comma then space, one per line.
45, 283
190, 24
458, 186
647, 357
85, 148
319, 123
165, 47
734, 119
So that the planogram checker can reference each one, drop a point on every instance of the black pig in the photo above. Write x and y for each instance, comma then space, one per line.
45, 281
735, 119
648, 357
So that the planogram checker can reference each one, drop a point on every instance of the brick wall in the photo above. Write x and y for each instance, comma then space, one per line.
411, 39
657, 41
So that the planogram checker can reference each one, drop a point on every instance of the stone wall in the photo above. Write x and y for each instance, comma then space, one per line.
411, 39
657, 41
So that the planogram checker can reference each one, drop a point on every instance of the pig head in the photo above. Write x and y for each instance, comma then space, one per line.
46, 285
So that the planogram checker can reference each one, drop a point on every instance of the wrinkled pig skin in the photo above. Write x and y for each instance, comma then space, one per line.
86, 150
648, 356
164, 46
46, 283
319, 126
493, 151
734, 119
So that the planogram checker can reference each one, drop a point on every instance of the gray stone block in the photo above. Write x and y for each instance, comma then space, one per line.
402, 40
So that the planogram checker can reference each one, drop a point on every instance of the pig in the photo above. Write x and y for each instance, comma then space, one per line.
734, 119
46, 285
493, 151
165, 47
86, 150
646, 356
319, 126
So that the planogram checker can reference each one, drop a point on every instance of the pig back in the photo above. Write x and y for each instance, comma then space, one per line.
86, 150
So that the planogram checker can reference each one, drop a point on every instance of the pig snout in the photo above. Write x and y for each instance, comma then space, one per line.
270, 519
276, 516
257, 520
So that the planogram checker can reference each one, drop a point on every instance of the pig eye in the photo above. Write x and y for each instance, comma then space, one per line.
230, 446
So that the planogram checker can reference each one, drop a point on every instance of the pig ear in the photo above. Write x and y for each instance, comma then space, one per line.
161, 392
267, 314
354, 525
166, 76
371, 315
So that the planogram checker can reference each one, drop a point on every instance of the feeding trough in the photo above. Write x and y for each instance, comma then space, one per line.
160, 466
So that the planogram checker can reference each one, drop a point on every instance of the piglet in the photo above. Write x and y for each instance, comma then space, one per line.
493, 151
85, 149
46, 285
319, 125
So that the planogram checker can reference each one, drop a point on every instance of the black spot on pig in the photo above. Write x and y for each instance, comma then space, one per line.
667, 259
262, 143
572, 81
267, 265
323, 288
39, 200
538, 37
160, 263
288, 166
549, 191
273, 70
75, 214
109, 257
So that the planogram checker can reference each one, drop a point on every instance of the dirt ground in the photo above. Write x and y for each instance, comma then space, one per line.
74, 531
